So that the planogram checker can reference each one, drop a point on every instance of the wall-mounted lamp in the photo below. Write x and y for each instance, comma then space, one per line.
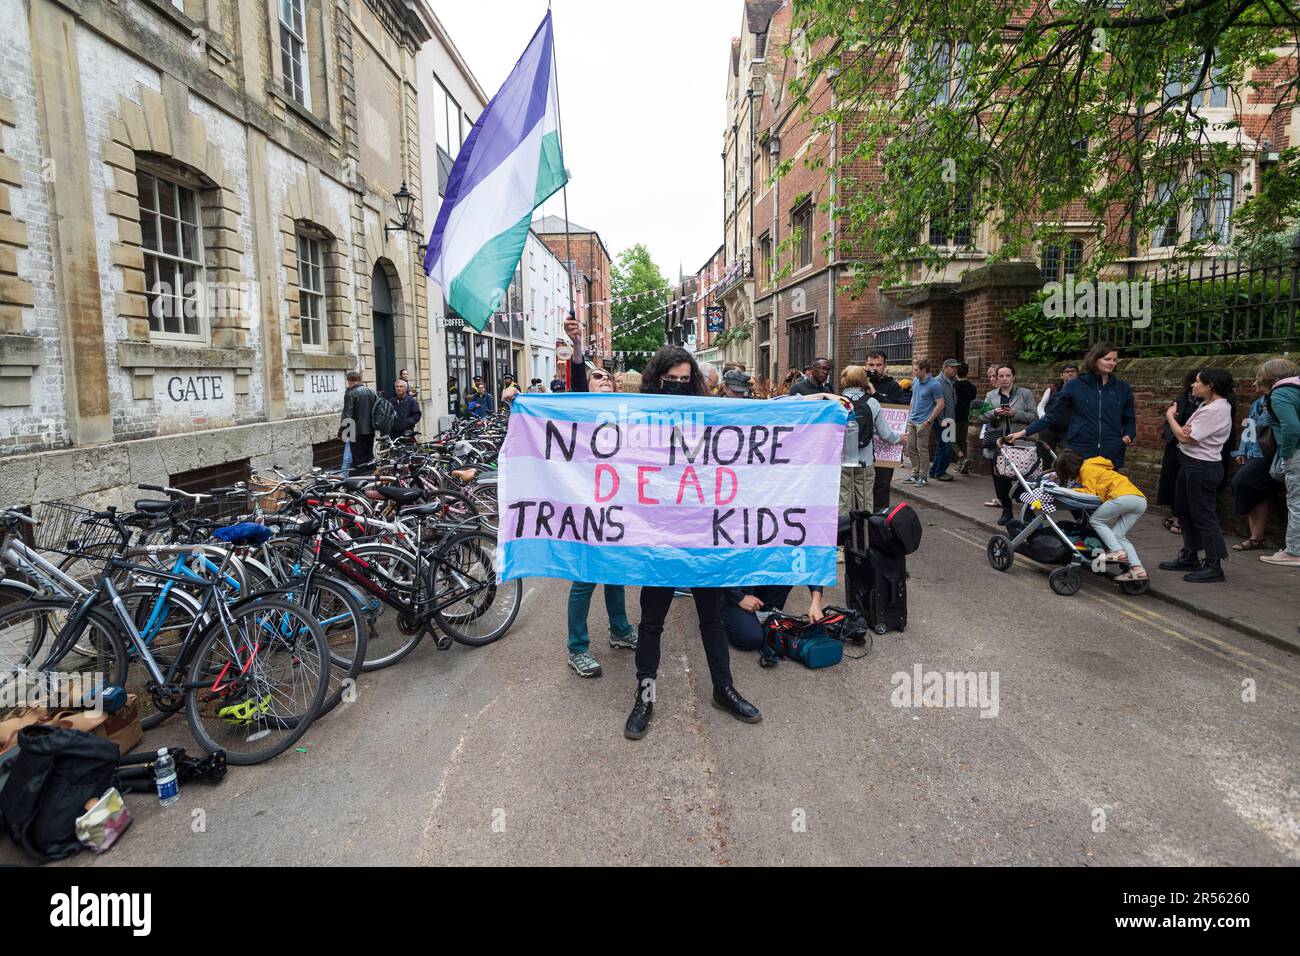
405, 202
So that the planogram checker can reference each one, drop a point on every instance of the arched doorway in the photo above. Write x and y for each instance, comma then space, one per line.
381, 303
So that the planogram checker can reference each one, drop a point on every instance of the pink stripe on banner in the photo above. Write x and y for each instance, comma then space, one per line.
648, 526
650, 444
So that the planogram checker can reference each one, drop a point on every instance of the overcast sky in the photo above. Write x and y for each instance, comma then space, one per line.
642, 103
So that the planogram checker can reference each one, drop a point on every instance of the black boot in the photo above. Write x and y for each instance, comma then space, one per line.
638, 722
1210, 571
729, 699
1186, 561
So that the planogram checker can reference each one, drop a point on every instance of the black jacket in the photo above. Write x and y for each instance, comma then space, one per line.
889, 391
408, 413
358, 405
806, 386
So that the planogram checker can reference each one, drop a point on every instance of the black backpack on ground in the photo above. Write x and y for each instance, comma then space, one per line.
56, 772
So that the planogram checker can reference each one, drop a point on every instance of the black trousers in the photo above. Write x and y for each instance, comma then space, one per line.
743, 627
655, 603
363, 449
880, 490
1003, 487
1195, 498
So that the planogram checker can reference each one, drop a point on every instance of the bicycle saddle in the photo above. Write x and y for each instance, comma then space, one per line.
245, 532
356, 484
304, 528
403, 496
435, 508
152, 506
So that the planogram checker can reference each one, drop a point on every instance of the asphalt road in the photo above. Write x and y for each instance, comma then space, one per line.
1121, 737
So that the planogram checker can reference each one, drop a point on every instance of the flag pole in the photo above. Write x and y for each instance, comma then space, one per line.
564, 190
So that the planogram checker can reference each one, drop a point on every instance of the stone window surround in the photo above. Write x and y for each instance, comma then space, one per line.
20, 353
149, 127
319, 66
305, 210
203, 198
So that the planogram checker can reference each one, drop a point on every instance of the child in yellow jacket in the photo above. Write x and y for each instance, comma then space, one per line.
1122, 504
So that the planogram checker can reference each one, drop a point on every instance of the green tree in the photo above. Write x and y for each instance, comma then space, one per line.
1013, 114
635, 325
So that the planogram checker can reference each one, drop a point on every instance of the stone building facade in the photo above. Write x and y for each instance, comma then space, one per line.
193, 202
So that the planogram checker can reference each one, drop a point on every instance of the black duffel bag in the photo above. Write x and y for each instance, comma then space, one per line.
56, 772
896, 529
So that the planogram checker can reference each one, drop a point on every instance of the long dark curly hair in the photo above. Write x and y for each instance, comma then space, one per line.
662, 361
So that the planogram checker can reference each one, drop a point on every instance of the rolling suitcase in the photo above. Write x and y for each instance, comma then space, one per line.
887, 599
875, 579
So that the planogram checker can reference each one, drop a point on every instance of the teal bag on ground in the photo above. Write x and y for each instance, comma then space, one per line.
810, 645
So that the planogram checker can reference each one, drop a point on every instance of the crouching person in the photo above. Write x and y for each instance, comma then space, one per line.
740, 607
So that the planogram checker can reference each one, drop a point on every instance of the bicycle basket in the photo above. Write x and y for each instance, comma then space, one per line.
271, 496
1024, 458
230, 508
69, 529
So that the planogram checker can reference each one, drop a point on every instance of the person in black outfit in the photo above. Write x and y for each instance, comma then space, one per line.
407, 408
882, 387
965, 398
1186, 403
817, 380
356, 426
672, 371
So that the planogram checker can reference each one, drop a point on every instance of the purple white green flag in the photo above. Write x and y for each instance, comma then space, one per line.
509, 165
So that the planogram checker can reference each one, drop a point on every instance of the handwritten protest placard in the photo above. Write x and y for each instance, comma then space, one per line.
887, 455
666, 491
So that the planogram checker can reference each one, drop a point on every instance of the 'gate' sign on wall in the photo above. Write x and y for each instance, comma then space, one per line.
667, 491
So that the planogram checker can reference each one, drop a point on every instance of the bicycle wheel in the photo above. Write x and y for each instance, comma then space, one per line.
257, 680
343, 618
465, 573
163, 622
32, 638
388, 645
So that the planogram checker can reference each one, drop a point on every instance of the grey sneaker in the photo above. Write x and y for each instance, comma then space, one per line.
627, 640
585, 665
921, 482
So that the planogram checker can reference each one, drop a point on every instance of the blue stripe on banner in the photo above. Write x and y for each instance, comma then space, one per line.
665, 567
668, 410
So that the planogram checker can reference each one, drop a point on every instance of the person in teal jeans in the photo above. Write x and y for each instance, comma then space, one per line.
621, 631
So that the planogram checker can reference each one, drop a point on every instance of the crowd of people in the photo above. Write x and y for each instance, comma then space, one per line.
1088, 418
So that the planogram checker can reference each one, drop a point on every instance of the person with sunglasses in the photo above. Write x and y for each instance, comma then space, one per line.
672, 371
621, 632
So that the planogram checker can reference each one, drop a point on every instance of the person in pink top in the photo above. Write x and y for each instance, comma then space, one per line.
1200, 442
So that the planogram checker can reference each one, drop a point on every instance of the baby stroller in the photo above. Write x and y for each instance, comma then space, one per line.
1053, 527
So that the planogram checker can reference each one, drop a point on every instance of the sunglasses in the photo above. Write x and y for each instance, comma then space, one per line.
597, 376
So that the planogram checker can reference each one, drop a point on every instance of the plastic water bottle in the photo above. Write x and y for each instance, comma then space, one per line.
164, 778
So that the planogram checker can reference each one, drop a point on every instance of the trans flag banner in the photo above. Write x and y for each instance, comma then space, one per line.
667, 491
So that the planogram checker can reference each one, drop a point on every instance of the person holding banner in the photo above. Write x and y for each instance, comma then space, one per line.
621, 631
672, 371
858, 481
